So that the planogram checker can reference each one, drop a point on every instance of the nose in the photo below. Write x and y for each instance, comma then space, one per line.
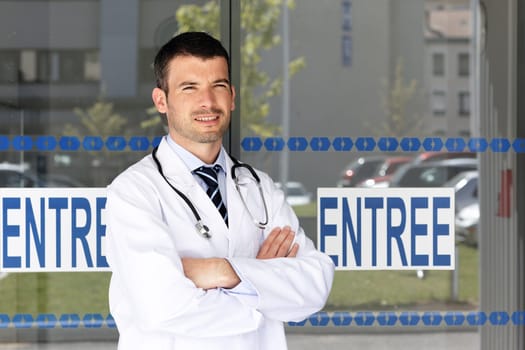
207, 97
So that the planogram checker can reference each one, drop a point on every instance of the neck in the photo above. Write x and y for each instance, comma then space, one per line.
205, 151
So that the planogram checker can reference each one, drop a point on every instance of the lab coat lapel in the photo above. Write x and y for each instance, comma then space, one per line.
245, 237
181, 177
174, 168
236, 212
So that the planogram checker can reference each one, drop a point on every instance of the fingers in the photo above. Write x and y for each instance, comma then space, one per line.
286, 242
267, 244
293, 251
278, 244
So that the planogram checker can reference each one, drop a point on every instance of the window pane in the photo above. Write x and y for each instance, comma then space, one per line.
438, 64
463, 65
71, 66
439, 103
9, 69
73, 102
464, 103
397, 79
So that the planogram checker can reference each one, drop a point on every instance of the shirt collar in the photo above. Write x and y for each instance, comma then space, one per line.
191, 161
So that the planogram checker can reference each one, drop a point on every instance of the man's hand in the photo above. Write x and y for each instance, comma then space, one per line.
210, 273
279, 244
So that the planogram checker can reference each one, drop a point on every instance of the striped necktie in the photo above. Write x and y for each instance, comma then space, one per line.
209, 176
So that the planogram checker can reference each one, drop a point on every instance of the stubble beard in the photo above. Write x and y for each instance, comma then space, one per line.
202, 137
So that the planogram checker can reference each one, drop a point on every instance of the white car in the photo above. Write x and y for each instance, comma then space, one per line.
296, 193
467, 224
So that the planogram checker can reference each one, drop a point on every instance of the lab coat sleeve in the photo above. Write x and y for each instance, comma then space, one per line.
288, 289
150, 288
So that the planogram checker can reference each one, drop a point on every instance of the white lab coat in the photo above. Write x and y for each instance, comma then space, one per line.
156, 307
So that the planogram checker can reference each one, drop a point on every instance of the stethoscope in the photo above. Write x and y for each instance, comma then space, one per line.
203, 229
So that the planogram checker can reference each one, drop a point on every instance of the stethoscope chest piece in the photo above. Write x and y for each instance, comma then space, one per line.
203, 230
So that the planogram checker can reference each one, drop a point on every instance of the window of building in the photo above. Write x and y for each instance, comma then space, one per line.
47, 67
9, 69
463, 64
464, 103
28, 71
71, 67
92, 66
43, 66
439, 103
438, 64
347, 50
347, 15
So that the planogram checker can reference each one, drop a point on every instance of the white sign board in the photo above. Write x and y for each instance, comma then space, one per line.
52, 229
387, 228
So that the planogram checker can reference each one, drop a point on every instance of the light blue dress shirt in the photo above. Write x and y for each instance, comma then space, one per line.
193, 163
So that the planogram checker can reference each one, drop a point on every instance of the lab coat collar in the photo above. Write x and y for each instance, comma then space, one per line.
193, 162
180, 176
173, 166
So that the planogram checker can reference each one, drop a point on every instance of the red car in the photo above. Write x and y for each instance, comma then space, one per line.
370, 167
435, 156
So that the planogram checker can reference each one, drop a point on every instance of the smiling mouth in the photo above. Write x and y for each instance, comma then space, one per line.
206, 118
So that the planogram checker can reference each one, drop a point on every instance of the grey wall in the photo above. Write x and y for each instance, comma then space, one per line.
329, 99
501, 237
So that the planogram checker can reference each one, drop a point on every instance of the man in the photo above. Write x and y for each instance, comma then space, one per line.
174, 287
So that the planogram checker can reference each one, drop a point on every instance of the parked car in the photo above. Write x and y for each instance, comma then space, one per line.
466, 224
441, 155
296, 193
59, 180
465, 186
20, 175
385, 171
431, 174
364, 168
17, 175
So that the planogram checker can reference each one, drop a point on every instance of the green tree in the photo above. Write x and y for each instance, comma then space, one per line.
396, 98
99, 119
259, 21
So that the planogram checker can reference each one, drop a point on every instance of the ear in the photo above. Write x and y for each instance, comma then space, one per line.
160, 100
233, 98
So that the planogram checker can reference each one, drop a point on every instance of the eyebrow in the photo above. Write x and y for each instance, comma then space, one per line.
222, 81
193, 83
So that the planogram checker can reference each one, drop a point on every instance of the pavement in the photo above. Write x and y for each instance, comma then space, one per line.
449, 340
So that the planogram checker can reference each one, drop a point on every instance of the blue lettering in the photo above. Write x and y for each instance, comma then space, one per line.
327, 230
101, 232
355, 235
374, 204
58, 204
440, 230
395, 232
10, 231
418, 230
40, 242
80, 232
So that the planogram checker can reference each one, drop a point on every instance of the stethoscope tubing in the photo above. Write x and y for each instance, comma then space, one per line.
202, 229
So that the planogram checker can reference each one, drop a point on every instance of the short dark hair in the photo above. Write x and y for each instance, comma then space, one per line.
198, 44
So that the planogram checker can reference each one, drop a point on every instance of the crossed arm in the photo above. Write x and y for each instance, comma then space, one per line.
208, 273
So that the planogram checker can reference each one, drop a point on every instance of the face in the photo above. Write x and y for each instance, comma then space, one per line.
200, 100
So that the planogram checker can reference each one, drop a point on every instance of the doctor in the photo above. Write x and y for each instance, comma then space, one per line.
174, 287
